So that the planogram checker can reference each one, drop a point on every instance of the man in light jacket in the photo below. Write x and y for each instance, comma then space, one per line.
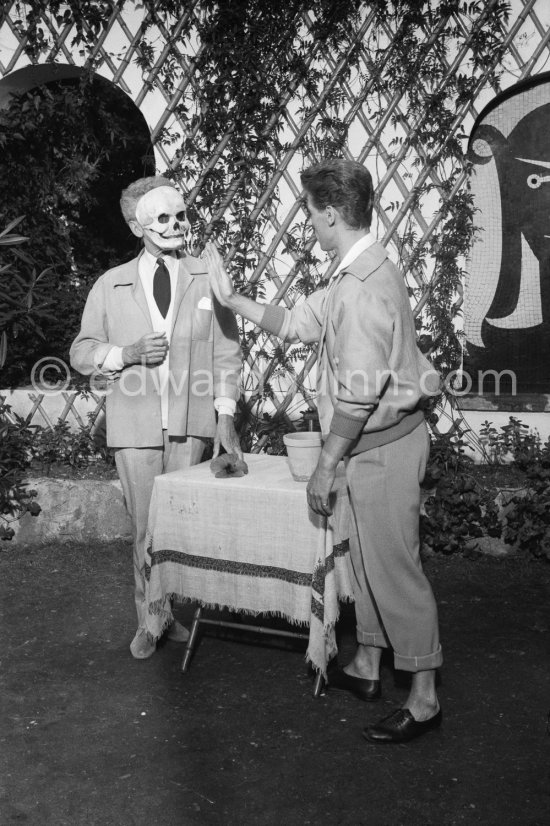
171, 356
373, 383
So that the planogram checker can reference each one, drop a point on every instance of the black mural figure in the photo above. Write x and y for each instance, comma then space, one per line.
516, 327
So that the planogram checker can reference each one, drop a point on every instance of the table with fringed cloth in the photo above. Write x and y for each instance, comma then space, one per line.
251, 545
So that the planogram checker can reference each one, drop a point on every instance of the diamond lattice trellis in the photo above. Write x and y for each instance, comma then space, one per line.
379, 132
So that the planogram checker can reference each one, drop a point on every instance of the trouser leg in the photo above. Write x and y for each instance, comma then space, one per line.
394, 600
366, 612
182, 453
137, 468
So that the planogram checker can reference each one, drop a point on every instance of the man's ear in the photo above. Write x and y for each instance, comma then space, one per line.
330, 212
136, 228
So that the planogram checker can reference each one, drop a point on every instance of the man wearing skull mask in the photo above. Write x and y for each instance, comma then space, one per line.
171, 356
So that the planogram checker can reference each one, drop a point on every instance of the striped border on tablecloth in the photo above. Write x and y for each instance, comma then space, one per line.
228, 566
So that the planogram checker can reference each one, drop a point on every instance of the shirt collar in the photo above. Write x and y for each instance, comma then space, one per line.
150, 261
354, 252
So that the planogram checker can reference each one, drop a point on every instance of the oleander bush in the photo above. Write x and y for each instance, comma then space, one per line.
68, 148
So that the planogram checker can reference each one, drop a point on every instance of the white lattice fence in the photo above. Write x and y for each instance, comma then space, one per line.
151, 57
49, 409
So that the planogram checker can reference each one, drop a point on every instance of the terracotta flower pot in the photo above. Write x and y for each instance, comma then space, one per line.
303, 451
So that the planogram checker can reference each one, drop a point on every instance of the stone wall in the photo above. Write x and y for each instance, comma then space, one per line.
80, 510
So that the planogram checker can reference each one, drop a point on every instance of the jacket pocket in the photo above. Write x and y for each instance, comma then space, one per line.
202, 324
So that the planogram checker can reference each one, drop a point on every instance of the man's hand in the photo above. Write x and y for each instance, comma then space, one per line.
223, 290
149, 349
319, 488
322, 480
226, 437
220, 283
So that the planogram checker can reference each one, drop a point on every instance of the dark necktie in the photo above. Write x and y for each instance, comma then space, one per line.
161, 287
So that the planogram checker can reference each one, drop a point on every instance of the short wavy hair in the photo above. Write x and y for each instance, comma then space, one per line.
345, 185
131, 195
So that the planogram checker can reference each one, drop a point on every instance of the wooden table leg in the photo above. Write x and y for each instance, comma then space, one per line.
319, 679
192, 639
319, 683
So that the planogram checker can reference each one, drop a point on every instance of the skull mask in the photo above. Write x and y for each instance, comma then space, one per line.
162, 219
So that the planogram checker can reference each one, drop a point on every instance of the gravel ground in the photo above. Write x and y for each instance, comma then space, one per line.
91, 736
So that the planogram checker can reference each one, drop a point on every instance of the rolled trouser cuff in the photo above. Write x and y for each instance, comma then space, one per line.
375, 640
424, 663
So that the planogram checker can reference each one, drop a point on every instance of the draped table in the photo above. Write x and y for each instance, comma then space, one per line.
251, 545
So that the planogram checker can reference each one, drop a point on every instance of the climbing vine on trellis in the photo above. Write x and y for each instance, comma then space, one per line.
252, 86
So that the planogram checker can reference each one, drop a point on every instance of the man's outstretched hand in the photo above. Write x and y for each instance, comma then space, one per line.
223, 290
220, 282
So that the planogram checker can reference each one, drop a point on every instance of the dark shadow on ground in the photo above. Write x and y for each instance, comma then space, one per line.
91, 736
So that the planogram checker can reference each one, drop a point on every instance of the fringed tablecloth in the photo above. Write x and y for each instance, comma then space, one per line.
249, 544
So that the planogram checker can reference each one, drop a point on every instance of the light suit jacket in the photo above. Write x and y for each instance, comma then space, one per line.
204, 356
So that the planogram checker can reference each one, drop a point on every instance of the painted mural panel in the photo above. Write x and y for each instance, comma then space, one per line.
507, 290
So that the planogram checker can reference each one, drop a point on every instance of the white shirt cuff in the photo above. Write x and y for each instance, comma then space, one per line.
225, 406
112, 363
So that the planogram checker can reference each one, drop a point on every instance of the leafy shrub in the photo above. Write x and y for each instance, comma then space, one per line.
25, 295
23, 445
447, 455
528, 520
265, 433
456, 513
61, 445
460, 508
514, 442
15, 456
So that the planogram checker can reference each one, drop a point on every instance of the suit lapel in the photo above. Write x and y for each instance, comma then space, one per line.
129, 278
140, 299
185, 279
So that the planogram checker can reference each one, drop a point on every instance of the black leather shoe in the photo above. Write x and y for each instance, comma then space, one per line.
367, 690
400, 726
